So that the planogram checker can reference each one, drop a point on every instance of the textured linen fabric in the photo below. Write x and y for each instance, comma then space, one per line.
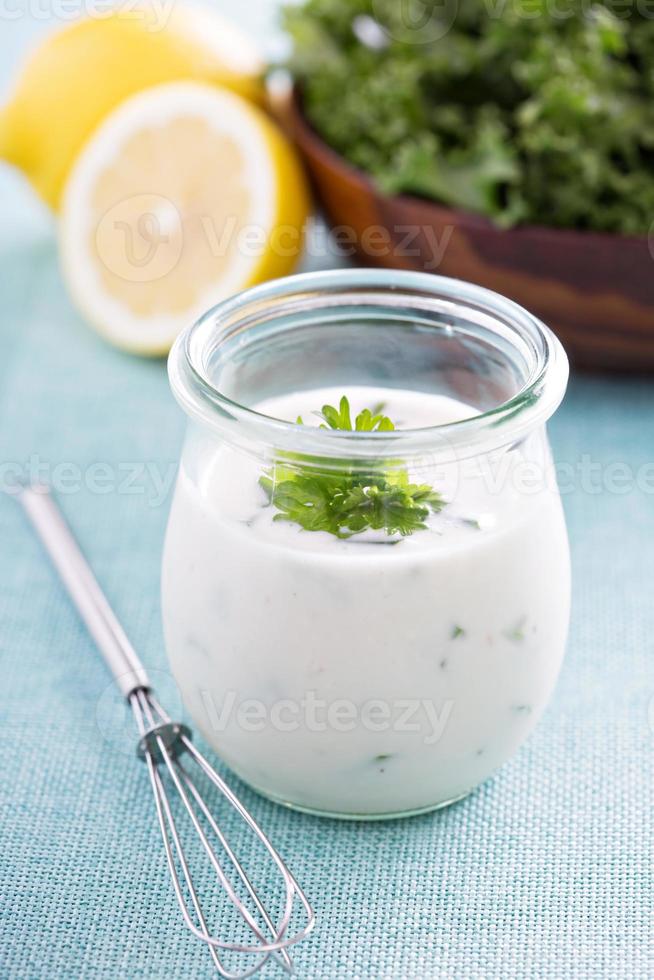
544, 872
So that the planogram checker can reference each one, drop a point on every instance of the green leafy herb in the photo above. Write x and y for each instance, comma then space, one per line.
366, 421
512, 110
517, 632
457, 631
347, 501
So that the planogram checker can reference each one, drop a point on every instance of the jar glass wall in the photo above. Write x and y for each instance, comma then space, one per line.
366, 623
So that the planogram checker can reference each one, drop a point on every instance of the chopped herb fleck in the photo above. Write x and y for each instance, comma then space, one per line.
471, 522
517, 632
457, 631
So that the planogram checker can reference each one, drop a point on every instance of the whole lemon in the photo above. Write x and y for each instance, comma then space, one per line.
81, 72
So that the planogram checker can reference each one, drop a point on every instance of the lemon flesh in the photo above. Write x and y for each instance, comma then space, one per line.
185, 195
81, 72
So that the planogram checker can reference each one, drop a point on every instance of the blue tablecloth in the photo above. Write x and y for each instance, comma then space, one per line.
545, 872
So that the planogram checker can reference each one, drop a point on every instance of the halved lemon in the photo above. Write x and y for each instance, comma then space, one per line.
82, 71
185, 195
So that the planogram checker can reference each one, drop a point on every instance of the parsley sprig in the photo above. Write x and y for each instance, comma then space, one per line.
348, 502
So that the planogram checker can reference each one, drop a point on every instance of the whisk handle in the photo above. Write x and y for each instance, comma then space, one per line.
83, 588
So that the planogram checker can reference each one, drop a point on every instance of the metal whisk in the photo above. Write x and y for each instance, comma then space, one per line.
161, 743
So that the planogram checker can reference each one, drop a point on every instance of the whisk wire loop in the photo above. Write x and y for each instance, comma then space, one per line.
157, 747
161, 741
292, 887
168, 829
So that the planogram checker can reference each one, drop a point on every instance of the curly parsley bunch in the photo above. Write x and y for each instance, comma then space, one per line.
347, 502
525, 111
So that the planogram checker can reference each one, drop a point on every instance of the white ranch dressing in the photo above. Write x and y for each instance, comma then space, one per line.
365, 676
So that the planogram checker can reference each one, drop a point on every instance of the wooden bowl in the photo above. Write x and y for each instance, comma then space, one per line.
595, 290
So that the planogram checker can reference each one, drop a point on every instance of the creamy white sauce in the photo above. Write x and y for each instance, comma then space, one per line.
368, 675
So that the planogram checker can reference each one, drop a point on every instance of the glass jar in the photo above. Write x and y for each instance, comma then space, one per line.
366, 623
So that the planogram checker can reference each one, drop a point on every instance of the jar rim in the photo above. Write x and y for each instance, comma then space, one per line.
531, 406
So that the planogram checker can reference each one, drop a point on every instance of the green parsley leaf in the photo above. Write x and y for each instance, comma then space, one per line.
514, 111
347, 502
